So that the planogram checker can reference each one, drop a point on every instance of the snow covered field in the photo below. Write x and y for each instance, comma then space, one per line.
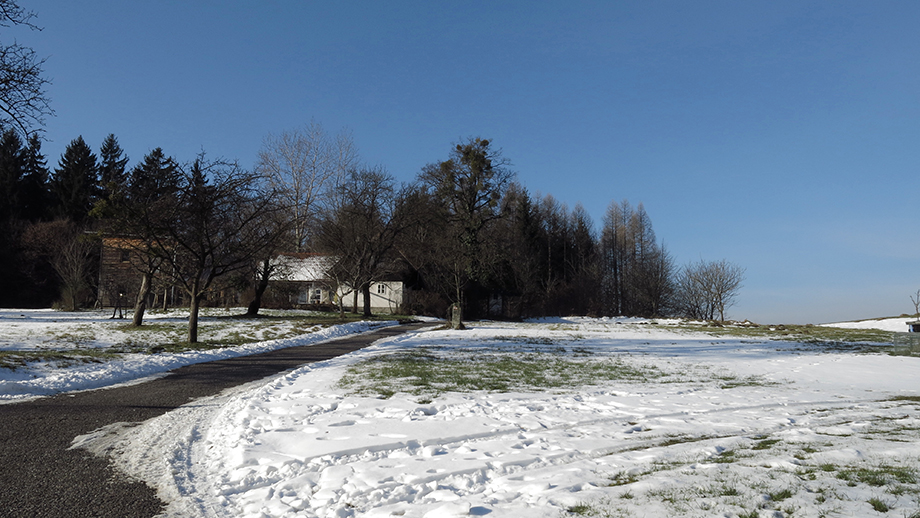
563, 417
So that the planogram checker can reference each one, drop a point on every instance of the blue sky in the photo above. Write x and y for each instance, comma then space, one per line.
781, 136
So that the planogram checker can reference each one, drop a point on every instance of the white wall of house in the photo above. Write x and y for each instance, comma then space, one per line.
309, 272
313, 293
386, 296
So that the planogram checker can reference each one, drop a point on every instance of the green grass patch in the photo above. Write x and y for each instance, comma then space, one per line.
908, 399
832, 337
783, 494
726, 457
623, 478
879, 476
878, 505
730, 381
430, 371
61, 358
765, 444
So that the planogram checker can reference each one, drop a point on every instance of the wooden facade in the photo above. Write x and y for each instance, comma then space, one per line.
119, 279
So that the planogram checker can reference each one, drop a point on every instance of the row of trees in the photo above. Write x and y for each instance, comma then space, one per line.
43, 211
543, 259
464, 232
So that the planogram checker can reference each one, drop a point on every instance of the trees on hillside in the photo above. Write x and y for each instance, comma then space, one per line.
463, 233
24, 201
491, 246
112, 164
637, 271
12, 169
34, 196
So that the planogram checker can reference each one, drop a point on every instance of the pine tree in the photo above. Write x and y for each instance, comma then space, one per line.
134, 214
156, 175
112, 175
34, 191
75, 184
11, 173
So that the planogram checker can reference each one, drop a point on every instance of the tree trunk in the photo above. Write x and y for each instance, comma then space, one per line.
340, 298
141, 305
366, 291
193, 307
256, 303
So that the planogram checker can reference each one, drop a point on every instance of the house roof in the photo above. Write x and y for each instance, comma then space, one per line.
302, 267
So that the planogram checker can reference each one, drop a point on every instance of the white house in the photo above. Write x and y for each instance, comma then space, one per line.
386, 296
306, 275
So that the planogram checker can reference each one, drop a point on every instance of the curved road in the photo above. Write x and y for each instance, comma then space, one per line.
40, 477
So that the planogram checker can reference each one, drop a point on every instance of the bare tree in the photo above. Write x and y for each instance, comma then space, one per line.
707, 289
916, 300
133, 212
70, 252
23, 102
362, 228
210, 229
302, 165
275, 227
636, 271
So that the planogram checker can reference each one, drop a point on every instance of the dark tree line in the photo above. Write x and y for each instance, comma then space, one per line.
41, 212
466, 233
463, 233
198, 227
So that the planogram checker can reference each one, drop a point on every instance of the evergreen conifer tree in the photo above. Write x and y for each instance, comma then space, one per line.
112, 164
75, 184
34, 193
11, 172
156, 175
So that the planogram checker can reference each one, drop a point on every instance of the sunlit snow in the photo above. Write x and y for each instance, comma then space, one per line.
721, 426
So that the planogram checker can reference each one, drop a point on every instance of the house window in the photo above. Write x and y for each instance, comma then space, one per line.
381, 289
125, 256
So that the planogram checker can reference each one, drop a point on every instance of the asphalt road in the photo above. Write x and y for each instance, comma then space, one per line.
41, 478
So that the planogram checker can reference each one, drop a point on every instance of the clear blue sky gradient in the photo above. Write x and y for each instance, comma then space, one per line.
783, 136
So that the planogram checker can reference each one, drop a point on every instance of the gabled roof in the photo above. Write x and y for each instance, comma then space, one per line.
302, 267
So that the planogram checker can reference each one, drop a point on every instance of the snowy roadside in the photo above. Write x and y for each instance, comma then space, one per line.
708, 426
47, 331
